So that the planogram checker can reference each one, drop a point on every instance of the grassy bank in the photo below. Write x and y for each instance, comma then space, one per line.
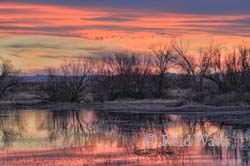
144, 106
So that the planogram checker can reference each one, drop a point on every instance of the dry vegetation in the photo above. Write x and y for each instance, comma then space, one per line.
215, 77
8, 77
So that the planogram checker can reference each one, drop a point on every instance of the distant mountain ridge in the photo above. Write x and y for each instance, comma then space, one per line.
43, 77
35, 78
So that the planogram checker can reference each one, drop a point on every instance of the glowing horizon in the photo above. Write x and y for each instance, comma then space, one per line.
36, 36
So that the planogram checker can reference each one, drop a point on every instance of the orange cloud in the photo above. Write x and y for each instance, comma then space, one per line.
80, 22
133, 30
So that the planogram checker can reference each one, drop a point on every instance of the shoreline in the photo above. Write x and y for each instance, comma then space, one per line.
142, 106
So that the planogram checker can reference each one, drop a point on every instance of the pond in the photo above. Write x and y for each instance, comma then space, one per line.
89, 137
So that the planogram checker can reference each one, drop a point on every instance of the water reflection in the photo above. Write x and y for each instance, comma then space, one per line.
71, 128
11, 127
90, 137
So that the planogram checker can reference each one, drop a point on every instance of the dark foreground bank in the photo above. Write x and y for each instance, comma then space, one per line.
144, 106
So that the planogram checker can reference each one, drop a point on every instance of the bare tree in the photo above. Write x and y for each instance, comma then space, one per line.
215, 66
103, 86
8, 76
244, 62
123, 75
183, 59
143, 72
69, 82
163, 57
229, 71
186, 62
202, 67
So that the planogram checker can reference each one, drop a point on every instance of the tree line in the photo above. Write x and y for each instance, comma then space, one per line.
214, 69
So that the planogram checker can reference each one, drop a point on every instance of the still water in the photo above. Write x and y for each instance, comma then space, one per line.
88, 137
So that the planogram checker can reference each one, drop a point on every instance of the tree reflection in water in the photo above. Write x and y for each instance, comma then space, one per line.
11, 127
116, 136
235, 128
71, 128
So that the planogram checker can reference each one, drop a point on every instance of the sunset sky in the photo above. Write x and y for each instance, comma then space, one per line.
36, 34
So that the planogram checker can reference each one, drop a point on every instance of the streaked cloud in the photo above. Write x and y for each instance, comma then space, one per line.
38, 34
173, 6
110, 18
80, 22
